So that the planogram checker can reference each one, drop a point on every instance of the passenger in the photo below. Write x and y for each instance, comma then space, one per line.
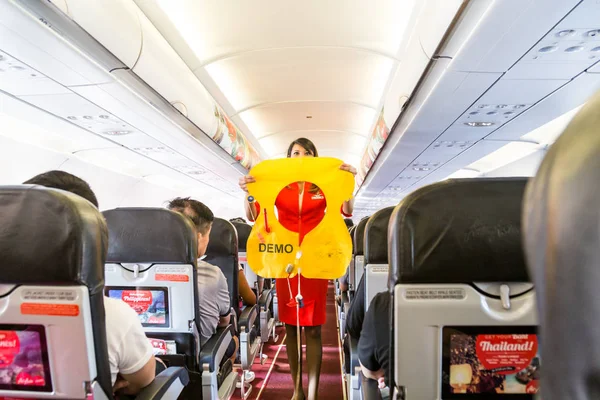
313, 290
246, 293
213, 292
130, 355
356, 312
374, 342
344, 281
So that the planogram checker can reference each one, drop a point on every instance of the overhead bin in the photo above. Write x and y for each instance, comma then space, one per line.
426, 30
493, 35
160, 67
63, 65
486, 85
114, 23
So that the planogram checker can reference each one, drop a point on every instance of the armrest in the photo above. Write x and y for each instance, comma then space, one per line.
234, 321
353, 345
214, 349
247, 319
370, 389
162, 382
265, 298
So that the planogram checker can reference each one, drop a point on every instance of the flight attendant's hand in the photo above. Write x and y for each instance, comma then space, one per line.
349, 168
244, 181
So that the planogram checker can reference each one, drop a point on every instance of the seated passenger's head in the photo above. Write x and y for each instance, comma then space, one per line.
302, 147
64, 181
200, 215
238, 220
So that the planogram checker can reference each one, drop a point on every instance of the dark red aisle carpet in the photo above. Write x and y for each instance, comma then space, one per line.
273, 380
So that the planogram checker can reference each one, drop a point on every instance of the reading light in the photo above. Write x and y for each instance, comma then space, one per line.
574, 49
565, 33
593, 33
479, 124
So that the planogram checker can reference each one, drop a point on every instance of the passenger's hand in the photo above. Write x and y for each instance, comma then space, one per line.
120, 383
349, 168
244, 181
381, 383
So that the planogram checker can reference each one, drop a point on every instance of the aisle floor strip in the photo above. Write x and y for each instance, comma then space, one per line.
266, 381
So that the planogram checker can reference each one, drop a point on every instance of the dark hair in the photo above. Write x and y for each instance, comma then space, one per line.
65, 181
239, 220
349, 223
312, 149
198, 212
306, 144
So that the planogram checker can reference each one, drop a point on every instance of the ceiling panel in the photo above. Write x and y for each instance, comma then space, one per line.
506, 32
302, 74
342, 142
564, 99
28, 39
595, 69
326, 116
433, 109
250, 25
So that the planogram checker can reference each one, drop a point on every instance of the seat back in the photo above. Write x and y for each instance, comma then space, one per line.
562, 240
376, 254
52, 329
462, 302
222, 252
359, 254
151, 265
243, 232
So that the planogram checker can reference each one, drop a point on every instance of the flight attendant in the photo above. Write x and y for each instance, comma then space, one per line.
301, 207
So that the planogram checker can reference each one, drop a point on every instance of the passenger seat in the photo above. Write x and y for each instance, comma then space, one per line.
153, 251
53, 245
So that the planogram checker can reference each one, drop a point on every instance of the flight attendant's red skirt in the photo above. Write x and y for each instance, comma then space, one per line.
314, 293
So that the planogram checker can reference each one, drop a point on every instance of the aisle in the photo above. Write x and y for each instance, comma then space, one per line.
273, 380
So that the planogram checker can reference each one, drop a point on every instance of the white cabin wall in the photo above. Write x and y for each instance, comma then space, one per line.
526, 166
20, 162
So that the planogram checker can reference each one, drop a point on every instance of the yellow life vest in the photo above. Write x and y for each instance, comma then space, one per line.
326, 250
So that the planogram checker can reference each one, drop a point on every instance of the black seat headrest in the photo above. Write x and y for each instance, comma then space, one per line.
359, 237
376, 233
459, 231
243, 232
223, 239
561, 223
150, 235
49, 236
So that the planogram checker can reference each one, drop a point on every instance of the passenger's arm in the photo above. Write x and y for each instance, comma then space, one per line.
140, 379
344, 281
368, 344
224, 321
248, 296
135, 358
223, 300
375, 375
356, 312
